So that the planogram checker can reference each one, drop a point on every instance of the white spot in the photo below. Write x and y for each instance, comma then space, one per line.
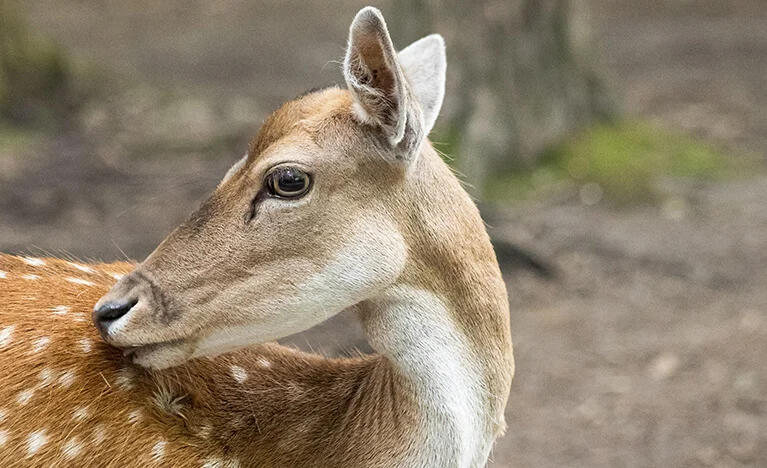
99, 434
35, 441
204, 431
158, 451
80, 414
2, 415
72, 448
40, 344
3, 274
239, 374
6, 336
3, 437
35, 262
80, 281
83, 268
86, 345
125, 378
134, 416
263, 362
117, 276
46, 377
78, 317
30, 277
220, 463
60, 310
67, 378
24, 396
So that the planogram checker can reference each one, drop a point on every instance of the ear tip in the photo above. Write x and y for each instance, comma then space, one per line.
368, 17
437, 39
369, 10
431, 47
434, 43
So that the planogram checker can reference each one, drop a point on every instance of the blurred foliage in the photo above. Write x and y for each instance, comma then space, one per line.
34, 76
13, 139
529, 74
623, 163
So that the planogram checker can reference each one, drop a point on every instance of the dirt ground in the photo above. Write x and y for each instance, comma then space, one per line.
649, 345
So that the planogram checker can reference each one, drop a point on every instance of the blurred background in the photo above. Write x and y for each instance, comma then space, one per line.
617, 150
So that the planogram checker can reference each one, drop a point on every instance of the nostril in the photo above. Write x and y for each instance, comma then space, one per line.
113, 310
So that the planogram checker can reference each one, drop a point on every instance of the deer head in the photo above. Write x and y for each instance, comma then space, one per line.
313, 220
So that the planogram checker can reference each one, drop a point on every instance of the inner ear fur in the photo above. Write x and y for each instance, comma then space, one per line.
379, 87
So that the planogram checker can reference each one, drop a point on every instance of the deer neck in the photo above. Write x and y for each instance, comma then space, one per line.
444, 329
410, 327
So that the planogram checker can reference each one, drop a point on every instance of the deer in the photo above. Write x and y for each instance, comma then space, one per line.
341, 203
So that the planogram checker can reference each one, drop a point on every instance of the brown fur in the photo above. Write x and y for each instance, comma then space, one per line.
300, 409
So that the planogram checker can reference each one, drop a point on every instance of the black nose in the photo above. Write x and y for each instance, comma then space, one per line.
111, 311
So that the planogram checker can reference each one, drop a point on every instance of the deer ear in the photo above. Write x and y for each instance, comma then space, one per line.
424, 65
378, 84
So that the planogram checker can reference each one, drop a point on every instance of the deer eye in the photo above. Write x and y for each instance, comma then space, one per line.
287, 182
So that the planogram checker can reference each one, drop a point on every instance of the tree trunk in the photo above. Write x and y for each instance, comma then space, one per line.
522, 75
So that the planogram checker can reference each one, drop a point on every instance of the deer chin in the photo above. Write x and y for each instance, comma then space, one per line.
159, 356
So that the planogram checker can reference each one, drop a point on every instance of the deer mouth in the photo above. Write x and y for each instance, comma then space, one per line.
161, 355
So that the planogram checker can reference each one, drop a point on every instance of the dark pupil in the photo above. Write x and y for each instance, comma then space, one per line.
290, 181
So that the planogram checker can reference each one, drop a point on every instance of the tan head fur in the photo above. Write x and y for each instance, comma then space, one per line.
341, 202
278, 266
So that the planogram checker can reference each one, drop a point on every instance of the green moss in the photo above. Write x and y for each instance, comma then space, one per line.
13, 139
33, 70
626, 161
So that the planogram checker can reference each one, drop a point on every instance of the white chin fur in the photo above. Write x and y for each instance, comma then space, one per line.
162, 356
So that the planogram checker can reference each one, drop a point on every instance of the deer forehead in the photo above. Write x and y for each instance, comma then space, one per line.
314, 114
320, 133
318, 128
